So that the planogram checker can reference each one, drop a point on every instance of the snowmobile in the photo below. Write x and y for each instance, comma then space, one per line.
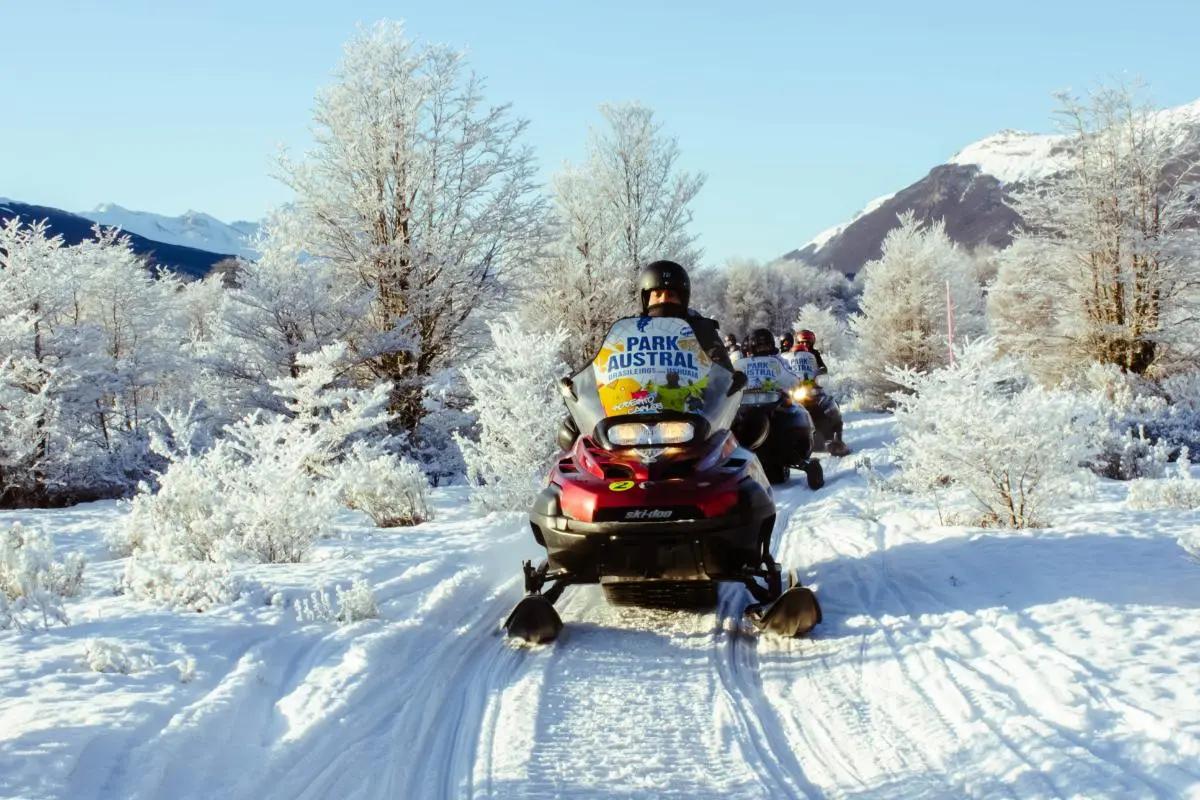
655, 499
781, 434
770, 423
821, 407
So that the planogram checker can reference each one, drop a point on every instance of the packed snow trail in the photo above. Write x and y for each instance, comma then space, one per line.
952, 662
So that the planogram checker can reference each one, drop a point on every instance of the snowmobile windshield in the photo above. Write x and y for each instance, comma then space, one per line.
767, 379
652, 385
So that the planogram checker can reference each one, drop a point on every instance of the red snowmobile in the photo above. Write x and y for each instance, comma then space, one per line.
656, 500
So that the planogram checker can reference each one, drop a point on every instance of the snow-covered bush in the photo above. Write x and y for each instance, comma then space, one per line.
347, 605
1181, 424
389, 489
982, 425
194, 585
904, 320
32, 581
1179, 491
515, 385
1141, 426
262, 493
110, 655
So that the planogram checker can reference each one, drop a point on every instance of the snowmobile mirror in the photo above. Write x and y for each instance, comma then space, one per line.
739, 381
567, 389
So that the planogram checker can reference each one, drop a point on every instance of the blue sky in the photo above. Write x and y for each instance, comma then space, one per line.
799, 112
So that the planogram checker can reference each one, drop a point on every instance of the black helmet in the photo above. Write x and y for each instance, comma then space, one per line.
762, 342
786, 342
665, 275
730, 340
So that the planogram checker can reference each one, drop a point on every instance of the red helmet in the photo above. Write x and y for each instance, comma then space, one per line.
806, 336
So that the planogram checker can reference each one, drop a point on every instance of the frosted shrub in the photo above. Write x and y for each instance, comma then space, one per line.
1141, 426
109, 655
1179, 491
515, 385
389, 489
983, 426
194, 585
262, 494
346, 606
32, 581
1182, 423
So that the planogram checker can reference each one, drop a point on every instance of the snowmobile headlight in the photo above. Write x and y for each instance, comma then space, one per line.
674, 432
802, 393
631, 434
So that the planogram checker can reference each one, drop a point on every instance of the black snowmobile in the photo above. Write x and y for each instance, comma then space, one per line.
780, 433
820, 405
656, 500
779, 430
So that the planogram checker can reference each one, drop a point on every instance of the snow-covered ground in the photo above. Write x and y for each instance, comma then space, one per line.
952, 662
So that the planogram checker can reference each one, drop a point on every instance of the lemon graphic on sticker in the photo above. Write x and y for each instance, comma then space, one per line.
620, 486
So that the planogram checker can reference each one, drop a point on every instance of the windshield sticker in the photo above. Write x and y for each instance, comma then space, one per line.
765, 372
649, 365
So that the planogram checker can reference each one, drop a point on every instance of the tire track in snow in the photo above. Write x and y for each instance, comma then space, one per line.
735, 659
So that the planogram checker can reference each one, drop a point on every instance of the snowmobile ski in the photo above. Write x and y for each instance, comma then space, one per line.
534, 620
793, 613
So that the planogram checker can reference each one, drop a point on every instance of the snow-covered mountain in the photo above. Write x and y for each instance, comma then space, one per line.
191, 229
970, 192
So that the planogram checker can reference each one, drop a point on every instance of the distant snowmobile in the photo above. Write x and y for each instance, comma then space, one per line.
657, 501
778, 430
822, 408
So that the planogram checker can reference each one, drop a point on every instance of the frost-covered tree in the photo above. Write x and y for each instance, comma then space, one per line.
284, 306
419, 192
1107, 265
983, 426
628, 204
89, 346
903, 320
770, 295
519, 409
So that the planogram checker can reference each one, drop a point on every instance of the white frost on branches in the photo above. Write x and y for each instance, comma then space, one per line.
33, 582
983, 426
903, 320
519, 409
1105, 268
264, 492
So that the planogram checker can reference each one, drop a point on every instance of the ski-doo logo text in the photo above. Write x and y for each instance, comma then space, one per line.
649, 513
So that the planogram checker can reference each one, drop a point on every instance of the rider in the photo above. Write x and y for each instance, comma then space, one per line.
806, 342
824, 411
732, 347
665, 290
